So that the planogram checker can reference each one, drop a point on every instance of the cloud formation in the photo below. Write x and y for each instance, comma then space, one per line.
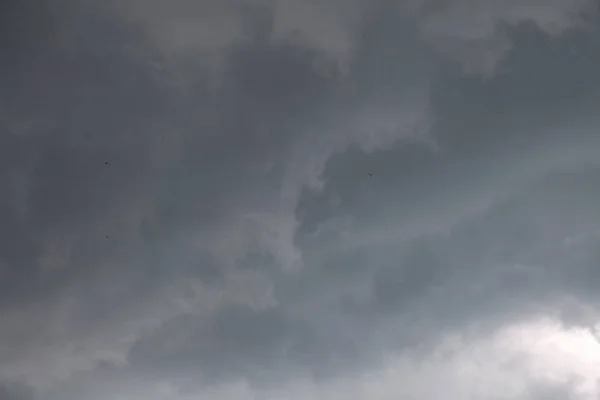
291, 199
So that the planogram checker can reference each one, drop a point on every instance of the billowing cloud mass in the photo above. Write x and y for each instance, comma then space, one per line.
291, 199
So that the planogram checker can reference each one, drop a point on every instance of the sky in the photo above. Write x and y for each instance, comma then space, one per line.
300, 199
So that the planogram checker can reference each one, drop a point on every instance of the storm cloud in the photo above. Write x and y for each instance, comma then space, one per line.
283, 199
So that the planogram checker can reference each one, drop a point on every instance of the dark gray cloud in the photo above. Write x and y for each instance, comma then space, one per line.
15, 392
187, 208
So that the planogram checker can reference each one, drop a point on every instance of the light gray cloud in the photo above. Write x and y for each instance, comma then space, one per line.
187, 208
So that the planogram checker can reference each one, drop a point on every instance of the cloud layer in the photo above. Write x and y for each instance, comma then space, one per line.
290, 199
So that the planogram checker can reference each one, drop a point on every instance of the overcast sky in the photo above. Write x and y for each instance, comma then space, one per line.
300, 199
